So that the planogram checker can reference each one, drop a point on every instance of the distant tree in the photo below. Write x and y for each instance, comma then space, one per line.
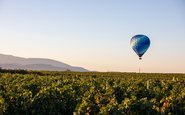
68, 70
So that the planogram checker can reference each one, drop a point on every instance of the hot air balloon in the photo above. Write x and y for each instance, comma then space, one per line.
140, 44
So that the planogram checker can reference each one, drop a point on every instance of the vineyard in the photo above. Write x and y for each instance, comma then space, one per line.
90, 93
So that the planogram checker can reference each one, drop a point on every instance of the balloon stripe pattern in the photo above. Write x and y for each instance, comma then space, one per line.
140, 44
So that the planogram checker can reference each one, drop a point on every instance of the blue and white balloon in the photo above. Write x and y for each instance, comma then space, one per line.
140, 44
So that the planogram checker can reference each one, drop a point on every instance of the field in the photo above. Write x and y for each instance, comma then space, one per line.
68, 93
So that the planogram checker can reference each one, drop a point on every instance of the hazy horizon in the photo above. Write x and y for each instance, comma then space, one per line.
96, 34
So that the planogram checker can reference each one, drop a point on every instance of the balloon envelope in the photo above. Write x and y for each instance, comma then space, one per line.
140, 44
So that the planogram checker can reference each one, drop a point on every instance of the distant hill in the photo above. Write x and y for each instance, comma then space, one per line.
13, 62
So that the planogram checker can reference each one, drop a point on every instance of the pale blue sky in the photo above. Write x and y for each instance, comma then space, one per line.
95, 34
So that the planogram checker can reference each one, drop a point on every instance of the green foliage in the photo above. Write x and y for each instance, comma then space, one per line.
63, 93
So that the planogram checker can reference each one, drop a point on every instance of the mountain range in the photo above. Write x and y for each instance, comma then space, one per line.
13, 62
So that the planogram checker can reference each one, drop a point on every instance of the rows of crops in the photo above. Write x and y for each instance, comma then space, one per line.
67, 93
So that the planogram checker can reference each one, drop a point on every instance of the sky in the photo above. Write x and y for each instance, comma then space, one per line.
95, 34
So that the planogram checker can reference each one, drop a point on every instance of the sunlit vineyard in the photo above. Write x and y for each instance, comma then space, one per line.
91, 93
